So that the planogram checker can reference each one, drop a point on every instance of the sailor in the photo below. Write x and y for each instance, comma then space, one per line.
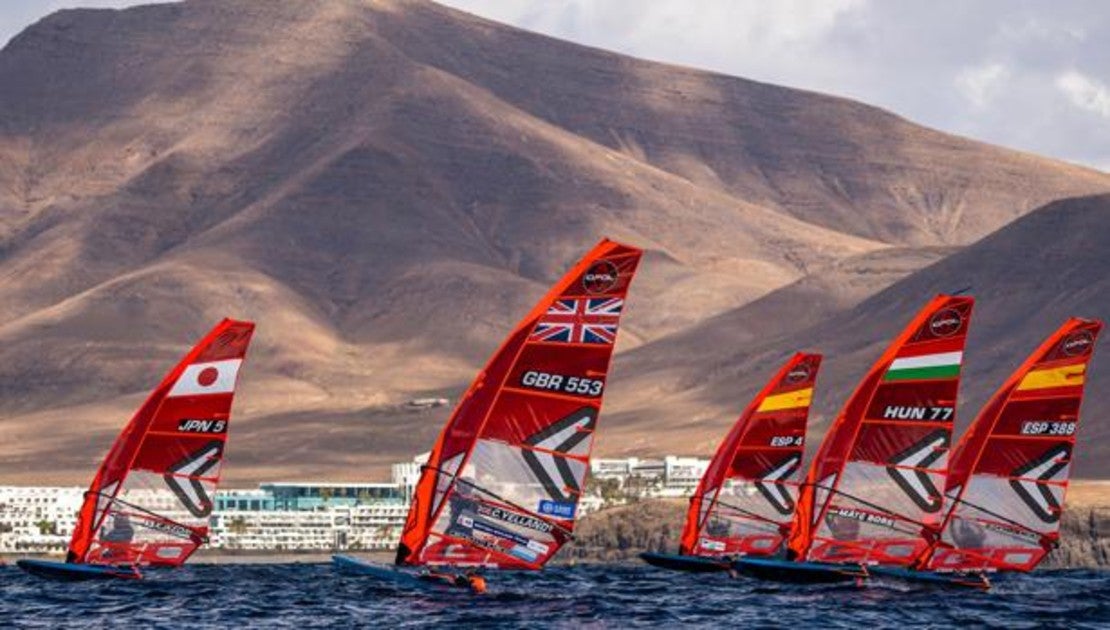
476, 582
470, 579
121, 531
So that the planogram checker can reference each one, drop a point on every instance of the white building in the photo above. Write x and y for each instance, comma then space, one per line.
37, 519
274, 517
672, 476
317, 516
405, 475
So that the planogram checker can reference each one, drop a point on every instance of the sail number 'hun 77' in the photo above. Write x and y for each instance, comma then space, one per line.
502, 484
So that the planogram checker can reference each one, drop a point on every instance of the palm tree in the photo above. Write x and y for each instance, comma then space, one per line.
238, 525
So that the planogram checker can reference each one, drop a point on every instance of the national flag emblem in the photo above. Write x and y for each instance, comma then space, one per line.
790, 400
213, 377
1047, 378
584, 320
928, 366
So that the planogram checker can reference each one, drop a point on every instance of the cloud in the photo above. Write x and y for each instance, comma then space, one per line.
1085, 93
988, 69
1029, 75
981, 84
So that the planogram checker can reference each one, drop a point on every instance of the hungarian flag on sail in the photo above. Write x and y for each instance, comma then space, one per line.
745, 502
924, 366
1010, 471
873, 493
502, 484
150, 501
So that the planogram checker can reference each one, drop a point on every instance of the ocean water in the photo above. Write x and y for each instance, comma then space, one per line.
600, 596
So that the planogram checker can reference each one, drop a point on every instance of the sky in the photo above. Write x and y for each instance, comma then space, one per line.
1028, 74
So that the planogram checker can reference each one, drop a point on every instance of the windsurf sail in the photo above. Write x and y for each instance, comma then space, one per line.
746, 499
873, 493
1009, 473
150, 501
502, 484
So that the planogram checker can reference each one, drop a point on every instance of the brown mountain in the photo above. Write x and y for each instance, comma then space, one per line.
1027, 278
386, 186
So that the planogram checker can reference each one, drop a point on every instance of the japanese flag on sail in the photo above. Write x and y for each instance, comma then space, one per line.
215, 377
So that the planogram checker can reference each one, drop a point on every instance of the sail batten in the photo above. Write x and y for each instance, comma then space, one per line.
504, 479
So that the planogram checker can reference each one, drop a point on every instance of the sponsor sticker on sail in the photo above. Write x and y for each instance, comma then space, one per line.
215, 377
926, 366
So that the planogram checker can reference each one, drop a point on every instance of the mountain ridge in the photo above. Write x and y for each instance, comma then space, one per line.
387, 186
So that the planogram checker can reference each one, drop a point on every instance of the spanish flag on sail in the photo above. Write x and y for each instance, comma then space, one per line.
1054, 377
790, 400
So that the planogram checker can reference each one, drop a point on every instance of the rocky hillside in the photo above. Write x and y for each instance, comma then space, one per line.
385, 186
1027, 278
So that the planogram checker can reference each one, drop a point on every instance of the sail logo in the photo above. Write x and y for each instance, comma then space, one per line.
1013, 532
173, 529
946, 323
711, 545
1078, 344
191, 425
183, 478
863, 517
548, 461
773, 487
1029, 482
600, 277
558, 509
234, 340
798, 374
512, 518
908, 467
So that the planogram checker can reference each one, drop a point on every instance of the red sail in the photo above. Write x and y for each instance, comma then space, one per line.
502, 484
1010, 471
746, 500
873, 493
149, 502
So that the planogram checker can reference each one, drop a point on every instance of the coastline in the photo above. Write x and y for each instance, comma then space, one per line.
619, 534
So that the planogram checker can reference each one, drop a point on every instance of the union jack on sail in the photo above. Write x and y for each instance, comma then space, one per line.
582, 320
